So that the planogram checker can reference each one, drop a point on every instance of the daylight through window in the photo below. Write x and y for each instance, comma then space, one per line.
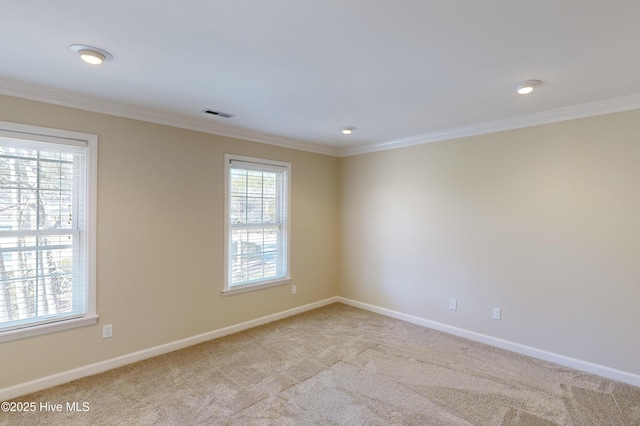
257, 216
43, 233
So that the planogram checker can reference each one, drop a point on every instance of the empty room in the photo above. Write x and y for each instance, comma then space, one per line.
319, 212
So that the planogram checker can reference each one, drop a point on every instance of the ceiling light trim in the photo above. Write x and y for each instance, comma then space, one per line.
528, 86
592, 109
83, 49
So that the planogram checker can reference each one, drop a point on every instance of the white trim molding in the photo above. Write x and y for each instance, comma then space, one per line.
99, 367
50, 327
86, 103
609, 106
56, 97
84, 307
253, 287
577, 364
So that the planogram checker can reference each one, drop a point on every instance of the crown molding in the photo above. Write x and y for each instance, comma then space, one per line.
41, 94
55, 97
609, 106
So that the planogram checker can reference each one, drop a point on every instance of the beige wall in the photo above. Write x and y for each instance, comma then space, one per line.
160, 239
542, 222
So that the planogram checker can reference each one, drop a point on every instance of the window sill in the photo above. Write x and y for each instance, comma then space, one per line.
52, 327
258, 286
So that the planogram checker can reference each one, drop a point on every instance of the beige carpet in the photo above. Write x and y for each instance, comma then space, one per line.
340, 366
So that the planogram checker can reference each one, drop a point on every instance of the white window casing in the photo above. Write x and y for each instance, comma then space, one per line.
257, 199
48, 184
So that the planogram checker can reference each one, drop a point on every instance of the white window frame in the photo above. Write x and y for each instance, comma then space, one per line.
90, 142
286, 279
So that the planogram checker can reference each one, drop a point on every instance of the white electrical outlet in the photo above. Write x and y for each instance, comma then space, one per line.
496, 313
453, 304
294, 289
107, 331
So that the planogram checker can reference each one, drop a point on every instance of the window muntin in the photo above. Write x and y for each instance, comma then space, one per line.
257, 234
46, 261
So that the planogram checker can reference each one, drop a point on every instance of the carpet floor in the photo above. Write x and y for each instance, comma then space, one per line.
338, 365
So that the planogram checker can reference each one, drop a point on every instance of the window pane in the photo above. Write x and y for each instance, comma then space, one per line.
254, 210
42, 219
37, 276
35, 194
270, 252
257, 218
254, 254
255, 202
254, 183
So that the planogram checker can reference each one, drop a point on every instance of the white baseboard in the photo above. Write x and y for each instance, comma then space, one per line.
99, 367
587, 367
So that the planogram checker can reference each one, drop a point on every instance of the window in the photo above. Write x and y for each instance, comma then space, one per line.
47, 230
257, 223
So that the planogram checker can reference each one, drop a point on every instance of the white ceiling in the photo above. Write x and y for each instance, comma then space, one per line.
296, 71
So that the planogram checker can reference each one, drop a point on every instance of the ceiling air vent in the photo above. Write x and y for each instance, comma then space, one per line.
218, 113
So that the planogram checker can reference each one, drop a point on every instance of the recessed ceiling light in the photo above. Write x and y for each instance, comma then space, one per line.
90, 54
526, 87
348, 130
